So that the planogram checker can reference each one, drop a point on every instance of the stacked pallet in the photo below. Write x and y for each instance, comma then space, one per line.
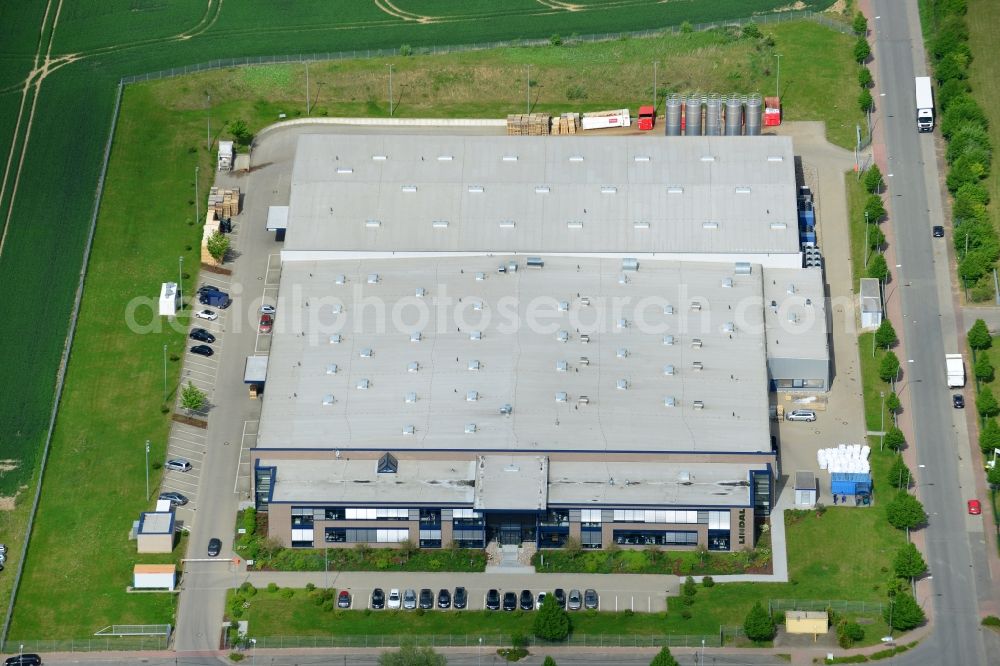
567, 123
224, 202
528, 124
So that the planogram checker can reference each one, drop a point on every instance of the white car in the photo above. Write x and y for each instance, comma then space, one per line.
267, 309
394, 600
540, 599
801, 415
207, 314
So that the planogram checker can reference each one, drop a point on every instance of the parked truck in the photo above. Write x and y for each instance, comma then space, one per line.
925, 104
216, 299
605, 119
956, 370
647, 117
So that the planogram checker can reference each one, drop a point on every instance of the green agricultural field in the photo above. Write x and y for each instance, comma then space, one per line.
92, 46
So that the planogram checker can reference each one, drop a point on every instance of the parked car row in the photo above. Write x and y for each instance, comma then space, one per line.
410, 599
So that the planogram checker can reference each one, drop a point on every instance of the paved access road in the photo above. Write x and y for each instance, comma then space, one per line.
922, 281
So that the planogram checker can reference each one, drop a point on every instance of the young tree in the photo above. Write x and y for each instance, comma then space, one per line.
690, 588
241, 133
888, 368
903, 613
989, 436
876, 239
865, 77
983, 368
878, 269
899, 474
549, 661
986, 403
218, 245
192, 398
551, 622
758, 625
875, 208
894, 439
865, 100
979, 336
885, 334
909, 563
862, 50
873, 178
993, 476
905, 511
892, 403
664, 658
411, 655
860, 24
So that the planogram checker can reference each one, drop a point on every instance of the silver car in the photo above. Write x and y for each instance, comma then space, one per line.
575, 600
409, 599
178, 465
801, 415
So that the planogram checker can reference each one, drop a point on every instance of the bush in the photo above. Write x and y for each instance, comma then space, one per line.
758, 625
979, 336
310, 587
966, 138
663, 658
865, 100
287, 593
899, 474
909, 563
860, 24
983, 368
991, 621
894, 439
576, 92
247, 589
949, 90
708, 581
878, 269
862, 50
903, 613
848, 633
905, 512
962, 112
989, 436
555, 40
888, 367
551, 623
686, 28
865, 79
752, 31
892, 402
873, 180
241, 133
885, 334
687, 601
874, 208
686, 613
986, 402
405, 50
272, 587
690, 588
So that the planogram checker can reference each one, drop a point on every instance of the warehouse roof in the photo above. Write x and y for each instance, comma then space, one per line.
448, 353
795, 313
455, 193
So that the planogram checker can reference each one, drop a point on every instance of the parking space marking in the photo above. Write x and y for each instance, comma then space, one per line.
196, 441
250, 428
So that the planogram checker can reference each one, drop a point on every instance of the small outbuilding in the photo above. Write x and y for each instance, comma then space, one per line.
154, 577
277, 221
156, 532
169, 296
805, 490
807, 622
870, 303
255, 374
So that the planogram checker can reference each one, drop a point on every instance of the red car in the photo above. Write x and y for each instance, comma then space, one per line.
975, 508
266, 322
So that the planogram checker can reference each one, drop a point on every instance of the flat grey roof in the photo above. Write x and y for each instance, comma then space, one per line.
277, 218
805, 481
515, 483
256, 369
656, 374
871, 297
650, 483
795, 313
570, 194
156, 522
357, 481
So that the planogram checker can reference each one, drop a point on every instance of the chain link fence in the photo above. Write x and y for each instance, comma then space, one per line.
101, 644
764, 19
841, 606
486, 640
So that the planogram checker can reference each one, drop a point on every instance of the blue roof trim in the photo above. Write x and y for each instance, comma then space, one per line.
765, 454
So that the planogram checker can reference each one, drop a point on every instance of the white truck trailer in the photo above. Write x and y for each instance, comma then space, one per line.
605, 119
925, 104
956, 370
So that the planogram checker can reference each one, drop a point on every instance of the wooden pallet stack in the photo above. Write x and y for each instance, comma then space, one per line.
567, 123
224, 202
528, 124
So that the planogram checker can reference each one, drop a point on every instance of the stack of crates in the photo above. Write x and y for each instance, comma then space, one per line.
528, 124
224, 202
566, 123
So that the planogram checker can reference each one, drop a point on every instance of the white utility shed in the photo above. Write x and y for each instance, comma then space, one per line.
154, 576
168, 299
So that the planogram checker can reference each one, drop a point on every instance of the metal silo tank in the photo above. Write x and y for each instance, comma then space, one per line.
755, 115
693, 116
713, 115
734, 115
673, 123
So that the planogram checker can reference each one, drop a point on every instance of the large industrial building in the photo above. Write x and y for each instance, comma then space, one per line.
525, 339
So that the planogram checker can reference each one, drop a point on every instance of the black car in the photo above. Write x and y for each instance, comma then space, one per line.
23, 660
460, 600
214, 547
527, 600
493, 600
938, 232
444, 598
509, 601
560, 595
175, 498
201, 335
202, 350
958, 401
378, 598
426, 599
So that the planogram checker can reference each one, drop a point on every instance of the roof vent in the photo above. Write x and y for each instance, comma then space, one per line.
574, 224
563, 306
328, 399
472, 396
408, 430
420, 292
775, 158
474, 365
684, 477
340, 279
622, 352
507, 224
379, 158
675, 189
476, 189
640, 225
696, 305
669, 401
411, 398
440, 224
412, 366
409, 188
583, 400
476, 335
373, 224
343, 170
585, 338
506, 410
562, 336
622, 385
584, 301
509, 158
778, 226
542, 189
668, 309
609, 189
561, 397
668, 340
331, 369
695, 343
623, 323
511, 266
415, 337
388, 464
727, 283
445, 158
791, 288
373, 278
742, 268
478, 306
622, 278
562, 366
793, 318
697, 365
367, 352
584, 360
480, 276
336, 339
742, 189
641, 158
630, 264
338, 309
709, 225
708, 158
729, 327
363, 384
470, 428
668, 369
698, 404
576, 158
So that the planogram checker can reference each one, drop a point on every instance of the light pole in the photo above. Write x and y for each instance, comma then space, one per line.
326, 567
147, 470
197, 206
881, 436
390, 90
208, 121
164, 373
253, 654
479, 656
307, 88
867, 252
777, 79
527, 89
655, 65
180, 280
703, 652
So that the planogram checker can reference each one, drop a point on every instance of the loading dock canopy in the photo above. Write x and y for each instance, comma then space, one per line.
256, 370
277, 218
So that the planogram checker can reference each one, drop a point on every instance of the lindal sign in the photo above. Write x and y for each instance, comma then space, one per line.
743, 526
